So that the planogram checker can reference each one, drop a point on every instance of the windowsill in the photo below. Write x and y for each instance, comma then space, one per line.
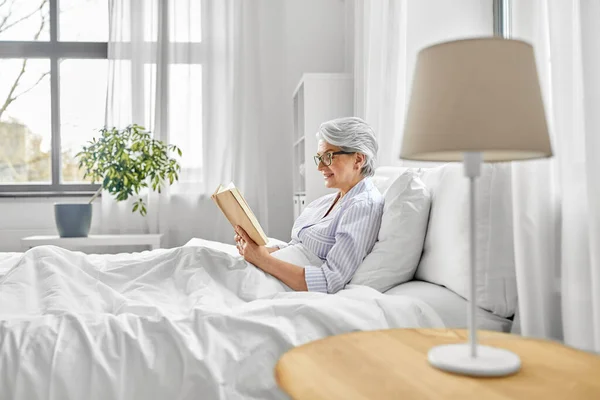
15, 195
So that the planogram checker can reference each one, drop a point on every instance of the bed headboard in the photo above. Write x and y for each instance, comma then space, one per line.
445, 258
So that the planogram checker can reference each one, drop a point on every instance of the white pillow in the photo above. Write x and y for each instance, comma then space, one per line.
385, 176
396, 253
446, 251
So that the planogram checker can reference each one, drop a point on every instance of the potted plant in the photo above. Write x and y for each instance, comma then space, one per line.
124, 162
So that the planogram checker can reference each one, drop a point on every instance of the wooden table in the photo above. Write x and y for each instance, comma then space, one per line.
151, 240
392, 364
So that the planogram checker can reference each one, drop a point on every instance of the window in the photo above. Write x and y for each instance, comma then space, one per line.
157, 46
53, 77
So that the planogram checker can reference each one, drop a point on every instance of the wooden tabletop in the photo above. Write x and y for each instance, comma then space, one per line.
392, 364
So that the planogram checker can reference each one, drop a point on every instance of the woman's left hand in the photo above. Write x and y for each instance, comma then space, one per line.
252, 252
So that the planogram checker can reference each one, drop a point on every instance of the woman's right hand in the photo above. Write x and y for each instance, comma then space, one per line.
238, 245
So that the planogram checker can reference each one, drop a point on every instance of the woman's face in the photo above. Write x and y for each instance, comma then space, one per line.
344, 171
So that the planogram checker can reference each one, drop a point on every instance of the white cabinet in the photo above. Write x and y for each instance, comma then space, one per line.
296, 206
302, 202
299, 204
317, 98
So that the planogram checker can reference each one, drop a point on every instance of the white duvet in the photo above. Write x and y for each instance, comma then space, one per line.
184, 323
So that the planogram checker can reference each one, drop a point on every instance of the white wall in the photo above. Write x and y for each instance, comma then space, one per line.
21, 217
309, 37
296, 36
275, 140
349, 35
434, 21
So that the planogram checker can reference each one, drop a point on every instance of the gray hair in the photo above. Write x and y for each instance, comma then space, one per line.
354, 135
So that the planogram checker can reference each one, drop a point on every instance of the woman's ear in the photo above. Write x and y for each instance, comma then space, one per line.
359, 161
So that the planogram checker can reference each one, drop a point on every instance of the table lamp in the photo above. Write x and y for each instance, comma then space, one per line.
475, 100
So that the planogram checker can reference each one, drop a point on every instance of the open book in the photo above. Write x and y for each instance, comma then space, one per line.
234, 207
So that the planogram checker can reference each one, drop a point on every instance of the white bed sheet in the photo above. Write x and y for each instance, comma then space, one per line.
185, 323
451, 307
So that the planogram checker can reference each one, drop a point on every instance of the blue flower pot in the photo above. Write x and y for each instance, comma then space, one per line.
73, 220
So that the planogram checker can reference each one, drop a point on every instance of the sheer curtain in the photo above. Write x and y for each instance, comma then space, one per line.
380, 71
187, 71
388, 36
557, 202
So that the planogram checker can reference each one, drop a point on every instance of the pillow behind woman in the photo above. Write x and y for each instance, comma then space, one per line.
396, 254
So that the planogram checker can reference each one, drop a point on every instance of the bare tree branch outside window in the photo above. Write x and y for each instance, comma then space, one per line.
3, 27
21, 159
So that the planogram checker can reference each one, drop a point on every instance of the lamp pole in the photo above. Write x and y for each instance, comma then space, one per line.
502, 25
472, 164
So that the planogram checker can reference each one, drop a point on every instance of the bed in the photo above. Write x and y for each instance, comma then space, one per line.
451, 307
184, 323
196, 322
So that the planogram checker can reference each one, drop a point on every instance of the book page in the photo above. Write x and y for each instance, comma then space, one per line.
222, 188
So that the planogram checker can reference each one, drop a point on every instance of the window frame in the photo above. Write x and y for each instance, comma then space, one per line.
53, 50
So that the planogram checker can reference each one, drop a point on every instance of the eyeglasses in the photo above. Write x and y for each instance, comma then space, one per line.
327, 158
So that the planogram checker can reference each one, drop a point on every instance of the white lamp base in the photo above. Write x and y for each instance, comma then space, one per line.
490, 361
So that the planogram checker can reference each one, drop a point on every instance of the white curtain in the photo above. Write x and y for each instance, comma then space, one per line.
388, 36
187, 70
557, 202
380, 71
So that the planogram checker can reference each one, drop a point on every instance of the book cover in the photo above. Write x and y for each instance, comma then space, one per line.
235, 208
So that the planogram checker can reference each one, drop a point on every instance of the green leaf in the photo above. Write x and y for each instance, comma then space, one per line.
127, 160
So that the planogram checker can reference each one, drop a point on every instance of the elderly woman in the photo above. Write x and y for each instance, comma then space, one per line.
338, 230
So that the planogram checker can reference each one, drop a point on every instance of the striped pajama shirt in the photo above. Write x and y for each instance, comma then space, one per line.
342, 239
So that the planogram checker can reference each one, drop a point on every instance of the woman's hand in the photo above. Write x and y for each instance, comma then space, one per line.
290, 274
238, 239
252, 252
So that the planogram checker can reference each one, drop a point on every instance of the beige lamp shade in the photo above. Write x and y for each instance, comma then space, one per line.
476, 95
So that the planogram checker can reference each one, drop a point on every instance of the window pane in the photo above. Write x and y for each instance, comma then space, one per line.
149, 87
185, 114
82, 105
25, 130
24, 20
186, 21
149, 11
83, 20
119, 110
